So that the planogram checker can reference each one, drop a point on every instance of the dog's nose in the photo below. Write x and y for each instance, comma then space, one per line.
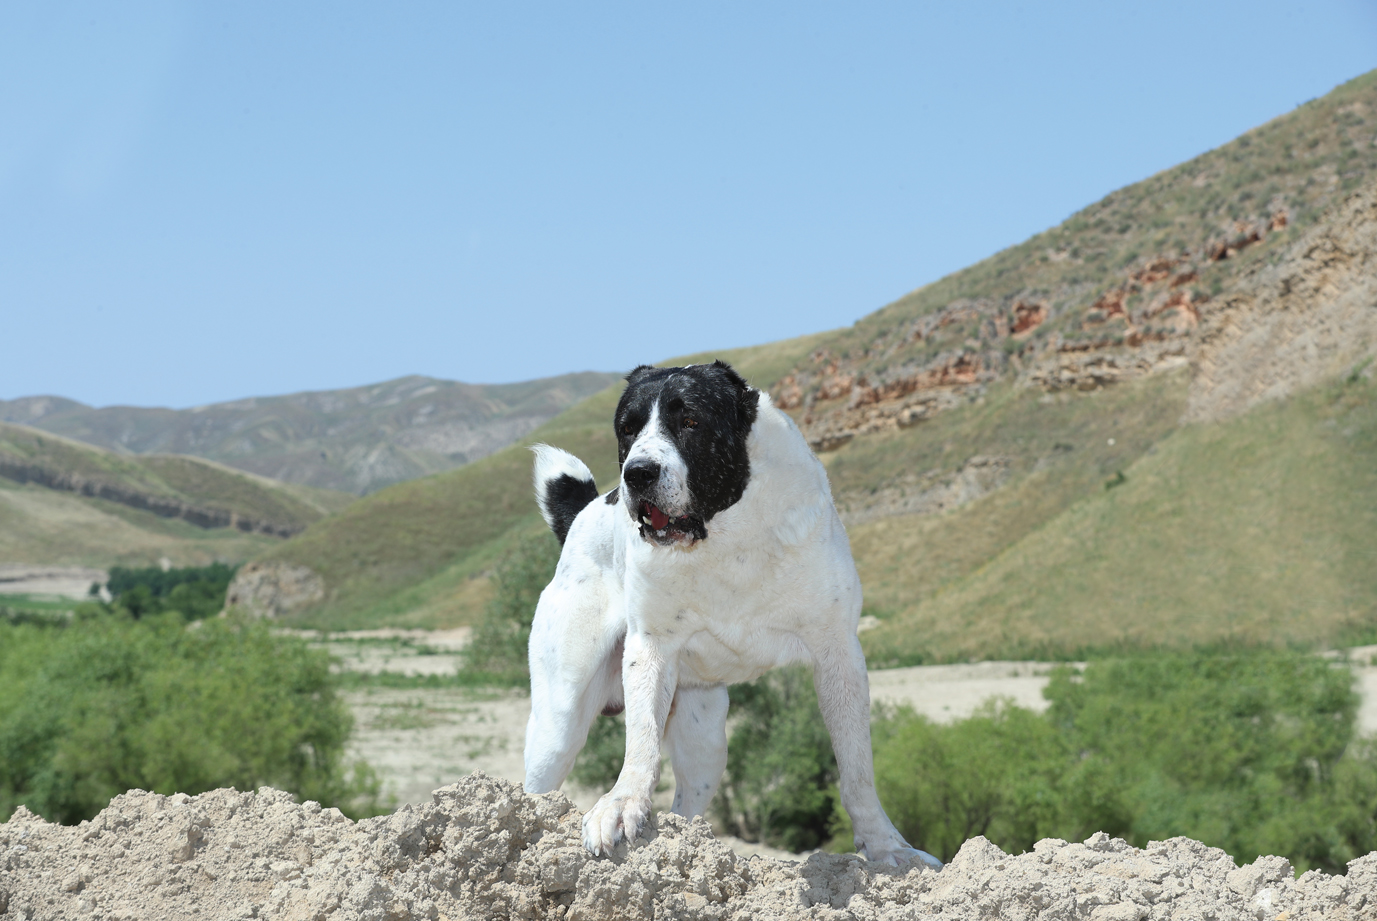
640, 474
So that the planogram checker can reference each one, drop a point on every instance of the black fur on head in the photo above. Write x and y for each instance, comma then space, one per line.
706, 412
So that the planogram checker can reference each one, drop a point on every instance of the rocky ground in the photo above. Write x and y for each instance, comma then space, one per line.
482, 849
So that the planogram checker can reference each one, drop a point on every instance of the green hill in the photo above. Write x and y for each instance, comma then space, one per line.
1262, 530
1029, 408
65, 502
1256, 530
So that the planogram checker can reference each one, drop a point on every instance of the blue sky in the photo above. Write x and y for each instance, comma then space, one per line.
200, 202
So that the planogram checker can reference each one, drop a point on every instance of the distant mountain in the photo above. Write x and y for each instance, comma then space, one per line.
356, 440
65, 502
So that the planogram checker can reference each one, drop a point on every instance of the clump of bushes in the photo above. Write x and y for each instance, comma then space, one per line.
994, 774
109, 702
1254, 753
195, 592
600, 762
497, 653
780, 785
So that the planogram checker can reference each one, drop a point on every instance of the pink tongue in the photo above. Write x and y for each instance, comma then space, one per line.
658, 519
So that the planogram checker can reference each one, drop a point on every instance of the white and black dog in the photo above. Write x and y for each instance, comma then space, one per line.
718, 557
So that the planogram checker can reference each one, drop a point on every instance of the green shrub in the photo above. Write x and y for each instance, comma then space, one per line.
1249, 753
195, 592
995, 774
497, 653
108, 703
1253, 753
600, 762
781, 772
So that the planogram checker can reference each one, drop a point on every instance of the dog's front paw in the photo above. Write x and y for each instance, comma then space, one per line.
898, 855
616, 816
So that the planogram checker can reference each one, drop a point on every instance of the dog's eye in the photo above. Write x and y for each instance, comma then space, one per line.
626, 428
690, 423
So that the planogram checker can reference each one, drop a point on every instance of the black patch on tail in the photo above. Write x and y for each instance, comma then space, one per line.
565, 497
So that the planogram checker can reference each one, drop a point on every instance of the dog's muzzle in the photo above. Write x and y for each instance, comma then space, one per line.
641, 477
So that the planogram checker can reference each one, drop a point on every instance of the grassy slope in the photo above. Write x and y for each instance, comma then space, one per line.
224, 487
417, 553
39, 525
196, 482
1060, 452
42, 525
1260, 529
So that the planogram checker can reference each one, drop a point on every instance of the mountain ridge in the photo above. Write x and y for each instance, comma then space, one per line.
356, 439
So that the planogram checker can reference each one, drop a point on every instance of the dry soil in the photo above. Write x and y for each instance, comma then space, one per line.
482, 849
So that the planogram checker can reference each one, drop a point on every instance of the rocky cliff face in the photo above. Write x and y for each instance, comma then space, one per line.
1288, 325
1304, 310
1133, 285
273, 588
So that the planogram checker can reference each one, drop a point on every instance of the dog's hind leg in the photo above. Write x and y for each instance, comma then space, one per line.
844, 697
564, 703
696, 736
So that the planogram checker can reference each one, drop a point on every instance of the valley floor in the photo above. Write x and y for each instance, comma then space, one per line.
420, 739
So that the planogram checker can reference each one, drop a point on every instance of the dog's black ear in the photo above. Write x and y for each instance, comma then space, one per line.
639, 372
747, 397
730, 372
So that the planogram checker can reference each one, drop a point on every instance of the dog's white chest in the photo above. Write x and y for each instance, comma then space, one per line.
741, 608
730, 657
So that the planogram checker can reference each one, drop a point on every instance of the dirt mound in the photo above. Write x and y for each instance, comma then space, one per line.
483, 849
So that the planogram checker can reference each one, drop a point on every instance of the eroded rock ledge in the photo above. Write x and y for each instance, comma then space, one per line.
482, 849
22, 471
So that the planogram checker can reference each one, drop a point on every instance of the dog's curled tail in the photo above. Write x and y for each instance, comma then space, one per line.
563, 487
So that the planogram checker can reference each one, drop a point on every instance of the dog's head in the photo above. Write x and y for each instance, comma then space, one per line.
681, 441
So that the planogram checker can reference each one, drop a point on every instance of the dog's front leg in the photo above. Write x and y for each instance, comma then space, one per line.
844, 696
649, 677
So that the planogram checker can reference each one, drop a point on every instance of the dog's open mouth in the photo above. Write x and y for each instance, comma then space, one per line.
663, 529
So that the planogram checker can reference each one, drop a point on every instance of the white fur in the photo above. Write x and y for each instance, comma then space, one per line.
773, 583
551, 463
